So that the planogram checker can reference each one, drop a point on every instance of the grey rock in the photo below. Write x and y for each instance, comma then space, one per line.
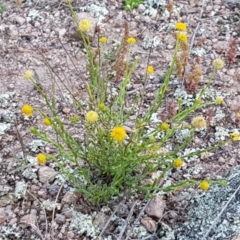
68, 212
28, 220
53, 189
46, 174
70, 235
4, 201
60, 219
20, 20
100, 220
156, 207
149, 224
13, 221
69, 198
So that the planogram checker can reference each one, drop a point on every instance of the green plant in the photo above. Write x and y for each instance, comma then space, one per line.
114, 158
131, 4
2, 8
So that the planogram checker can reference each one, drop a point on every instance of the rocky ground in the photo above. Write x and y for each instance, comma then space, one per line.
35, 201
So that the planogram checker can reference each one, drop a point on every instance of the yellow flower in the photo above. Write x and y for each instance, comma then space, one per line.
46, 121
91, 116
103, 40
178, 163
199, 122
131, 40
219, 100
218, 64
235, 136
165, 126
204, 185
101, 106
28, 75
27, 110
41, 158
182, 37
180, 26
198, 101
150, 69
118, 134
84, 25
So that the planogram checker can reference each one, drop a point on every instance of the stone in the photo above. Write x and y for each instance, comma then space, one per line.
69, 198
70, 235
68, 212
13, 221
60, 219
66, 110
4, 201
101, 220
46, 174
28, 220
156, 207
149, 224
20, 20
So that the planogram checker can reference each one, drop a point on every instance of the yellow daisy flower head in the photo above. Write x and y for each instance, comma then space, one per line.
219, 100
46, 122
41, 158
199, 122
150, 69
101, 106
27, 110
198, 101
103, 40
235, 136
180, 26
131, 40
165, 126
182, 37
204, 185
84, 25
91, 116
218, 64
118, 133
178, 163
28, 75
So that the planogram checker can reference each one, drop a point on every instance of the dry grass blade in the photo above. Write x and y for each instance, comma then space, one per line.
46, 222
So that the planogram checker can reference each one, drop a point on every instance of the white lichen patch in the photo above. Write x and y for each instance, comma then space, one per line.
150, 42
153, 6
98, 11
4, 127
49, 205
221, 133
36, 144
218, 116
10, 232
6, 98
138, 232
186, 99
30, 173
182, 134
8, 116
194, 157
83, 224
20, 190
198, 51
5, 190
